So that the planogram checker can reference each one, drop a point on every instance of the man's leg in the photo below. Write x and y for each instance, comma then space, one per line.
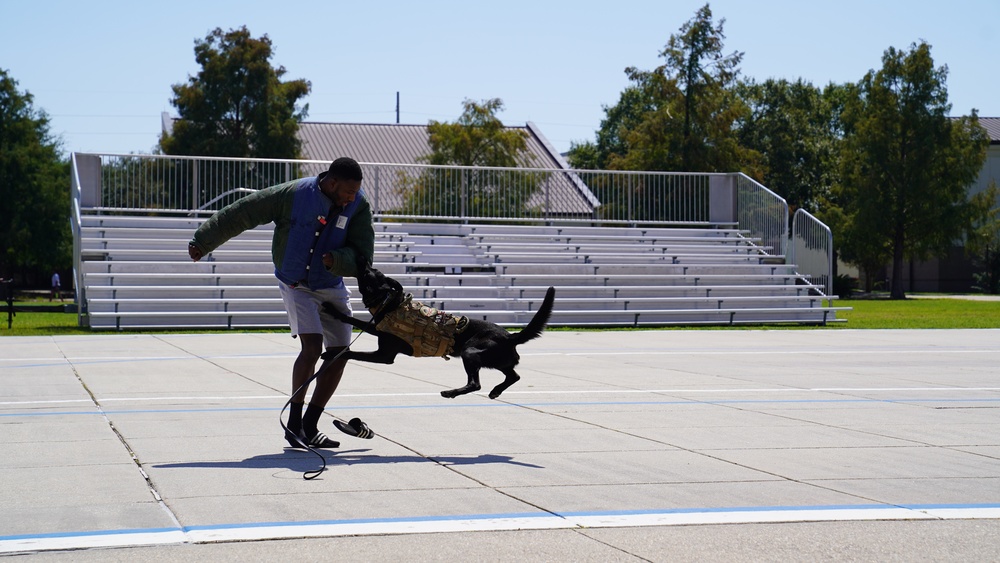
313, 330
302, 370
326, 385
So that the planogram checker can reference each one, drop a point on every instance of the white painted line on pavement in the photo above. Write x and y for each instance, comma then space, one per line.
126, 538
486, 523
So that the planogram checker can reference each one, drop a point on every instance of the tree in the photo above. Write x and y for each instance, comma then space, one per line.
237, 105
583, 156
983, 246
634, 103
906, 165
477, 139
680, 116
791, 124
34, 188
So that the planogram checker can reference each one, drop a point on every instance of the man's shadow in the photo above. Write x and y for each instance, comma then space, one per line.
302, 460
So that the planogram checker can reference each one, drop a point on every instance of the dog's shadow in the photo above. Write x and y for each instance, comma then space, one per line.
301, 461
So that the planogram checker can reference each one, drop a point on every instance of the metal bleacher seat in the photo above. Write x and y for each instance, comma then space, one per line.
137, 275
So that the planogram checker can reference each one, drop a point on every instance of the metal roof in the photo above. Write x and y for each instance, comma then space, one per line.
374, 143
398, 144
992, 126
389, 144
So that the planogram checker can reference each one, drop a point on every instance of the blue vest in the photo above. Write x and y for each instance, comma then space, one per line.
316, 228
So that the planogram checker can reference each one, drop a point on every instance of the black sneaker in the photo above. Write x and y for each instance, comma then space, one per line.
318, 440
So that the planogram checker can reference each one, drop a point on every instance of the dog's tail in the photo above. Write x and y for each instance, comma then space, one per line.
538, 322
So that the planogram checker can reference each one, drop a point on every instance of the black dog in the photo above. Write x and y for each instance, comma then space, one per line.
480, 344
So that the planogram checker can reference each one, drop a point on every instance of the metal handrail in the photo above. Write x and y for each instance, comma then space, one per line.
763, 213
222, 196
811, 249
79, 291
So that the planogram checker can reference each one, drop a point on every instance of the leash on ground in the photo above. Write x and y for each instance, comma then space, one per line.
312, 474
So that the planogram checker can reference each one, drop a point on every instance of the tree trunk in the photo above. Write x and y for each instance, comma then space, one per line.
897, 266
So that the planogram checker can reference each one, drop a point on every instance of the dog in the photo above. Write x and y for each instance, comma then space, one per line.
480, 344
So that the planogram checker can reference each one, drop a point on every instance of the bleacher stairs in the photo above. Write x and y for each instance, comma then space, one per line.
137, 275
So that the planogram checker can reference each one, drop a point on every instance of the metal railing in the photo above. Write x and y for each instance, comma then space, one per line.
811, 249
174, 184
129, 183
762, 213
75, 223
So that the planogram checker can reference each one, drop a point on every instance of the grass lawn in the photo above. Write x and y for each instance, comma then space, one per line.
866, 314
919, 313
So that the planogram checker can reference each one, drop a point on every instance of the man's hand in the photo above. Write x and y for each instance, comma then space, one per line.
194, 253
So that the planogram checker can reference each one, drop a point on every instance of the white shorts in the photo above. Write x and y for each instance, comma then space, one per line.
305, 316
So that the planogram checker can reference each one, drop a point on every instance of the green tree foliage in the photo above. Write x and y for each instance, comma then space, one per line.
680, 116
619, 120
583, 156
477, 139
792, 125
983, 246
635, 103
906, 166
34, 188
237, 105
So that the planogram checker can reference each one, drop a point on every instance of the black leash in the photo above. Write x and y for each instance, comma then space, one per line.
312, 474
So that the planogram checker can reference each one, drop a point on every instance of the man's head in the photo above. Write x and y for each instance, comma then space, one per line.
342, 181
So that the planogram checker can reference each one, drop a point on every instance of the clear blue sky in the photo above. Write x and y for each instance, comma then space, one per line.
102, 70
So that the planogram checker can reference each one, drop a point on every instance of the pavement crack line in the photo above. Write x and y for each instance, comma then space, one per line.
128, 448
218, 365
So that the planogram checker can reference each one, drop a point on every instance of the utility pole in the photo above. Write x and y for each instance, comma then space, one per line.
397, 107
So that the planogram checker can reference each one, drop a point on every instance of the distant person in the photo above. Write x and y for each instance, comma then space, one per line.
56, 286
320, 224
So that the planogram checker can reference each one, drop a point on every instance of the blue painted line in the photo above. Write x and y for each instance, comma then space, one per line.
55, 362
762, 509
397, 520
145, 411
66, 363
514, 405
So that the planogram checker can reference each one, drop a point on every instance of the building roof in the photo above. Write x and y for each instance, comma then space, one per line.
372, 144
399, 144
384, 143
389, 144
992, 126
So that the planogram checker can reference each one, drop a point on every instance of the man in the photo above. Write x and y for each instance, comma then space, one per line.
320, 224
56, 286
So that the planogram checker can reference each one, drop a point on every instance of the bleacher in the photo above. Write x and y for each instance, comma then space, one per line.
137, 274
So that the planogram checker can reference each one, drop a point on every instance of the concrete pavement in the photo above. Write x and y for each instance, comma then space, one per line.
614, 446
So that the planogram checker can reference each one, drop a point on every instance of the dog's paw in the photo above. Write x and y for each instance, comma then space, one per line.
452, 393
